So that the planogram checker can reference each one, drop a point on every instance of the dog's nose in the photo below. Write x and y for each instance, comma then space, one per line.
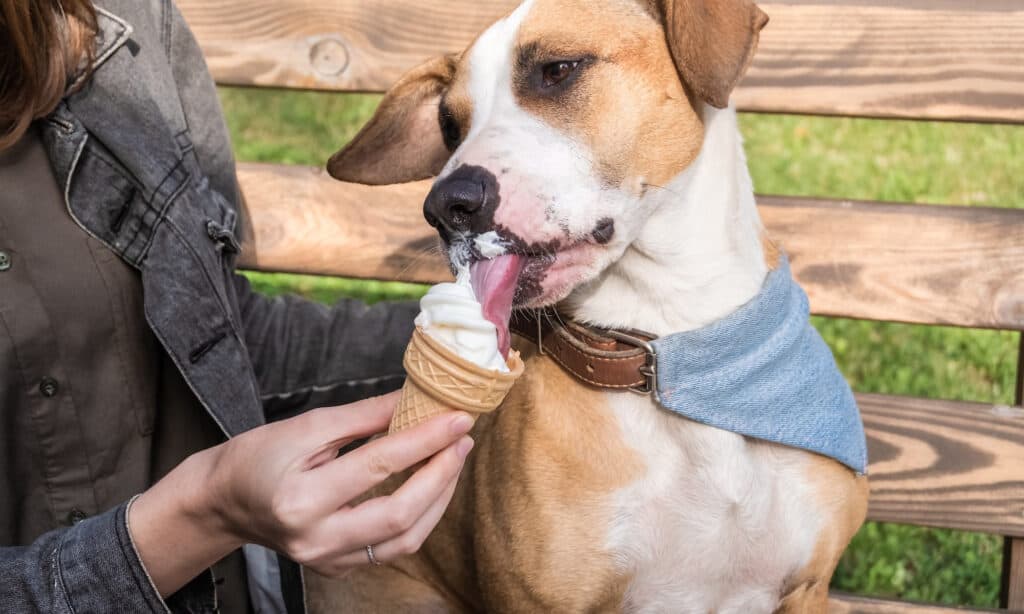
464, 201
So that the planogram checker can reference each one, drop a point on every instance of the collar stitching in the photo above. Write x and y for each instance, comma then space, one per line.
108, 47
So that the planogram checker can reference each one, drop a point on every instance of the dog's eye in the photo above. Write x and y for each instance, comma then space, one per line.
556, 72
450, 130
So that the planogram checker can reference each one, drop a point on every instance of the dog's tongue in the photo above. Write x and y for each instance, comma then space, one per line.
494, 283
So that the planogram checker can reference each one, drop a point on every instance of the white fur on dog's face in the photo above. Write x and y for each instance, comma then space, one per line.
574, 164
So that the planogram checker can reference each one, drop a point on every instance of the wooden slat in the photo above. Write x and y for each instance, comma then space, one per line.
922, 264
1014, 570
960, 266
305, 222
894, 58
1012, 589
850, 604
891, 58
945, 464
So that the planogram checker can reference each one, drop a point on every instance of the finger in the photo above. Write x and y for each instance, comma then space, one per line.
384, 518
407, 543
339, 426
351, 475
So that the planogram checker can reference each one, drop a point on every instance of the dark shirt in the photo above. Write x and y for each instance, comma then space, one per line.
92, 410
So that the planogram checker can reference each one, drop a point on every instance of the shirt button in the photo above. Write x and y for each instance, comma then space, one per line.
76, 516
49, 387
5, 261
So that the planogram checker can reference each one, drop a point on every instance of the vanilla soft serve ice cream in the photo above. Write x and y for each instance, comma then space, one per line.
459, 356
451, 314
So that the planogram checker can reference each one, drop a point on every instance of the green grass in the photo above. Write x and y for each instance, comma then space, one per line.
330, 289
917, 162
292, 128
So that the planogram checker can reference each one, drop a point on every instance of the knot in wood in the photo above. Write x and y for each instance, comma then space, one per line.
329, 57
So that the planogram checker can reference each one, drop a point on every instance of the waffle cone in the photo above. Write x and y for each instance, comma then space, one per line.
440, 381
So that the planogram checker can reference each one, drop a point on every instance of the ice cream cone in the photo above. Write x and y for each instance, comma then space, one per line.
440, 381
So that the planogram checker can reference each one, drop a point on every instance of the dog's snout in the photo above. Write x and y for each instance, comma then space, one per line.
464, 201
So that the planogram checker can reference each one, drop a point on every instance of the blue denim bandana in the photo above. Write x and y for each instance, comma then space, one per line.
764, 372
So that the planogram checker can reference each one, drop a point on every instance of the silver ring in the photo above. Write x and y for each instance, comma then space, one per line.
369, 555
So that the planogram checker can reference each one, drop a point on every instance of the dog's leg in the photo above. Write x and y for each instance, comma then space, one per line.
843, 502
375, 590
808, 598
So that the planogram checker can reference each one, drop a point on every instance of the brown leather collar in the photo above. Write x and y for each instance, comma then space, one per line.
622, 360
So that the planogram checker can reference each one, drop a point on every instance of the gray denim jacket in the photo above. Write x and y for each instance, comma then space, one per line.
143, 156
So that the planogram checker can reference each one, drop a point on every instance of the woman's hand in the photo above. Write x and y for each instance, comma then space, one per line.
283, 486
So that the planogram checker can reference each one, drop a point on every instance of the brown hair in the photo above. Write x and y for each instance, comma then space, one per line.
44, 44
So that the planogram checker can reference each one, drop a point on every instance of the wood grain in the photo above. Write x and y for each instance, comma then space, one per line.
1012, 589
305, 222
961, 266
851, 604
897, 58
912, 263
945, 464
1013, 574
890, 59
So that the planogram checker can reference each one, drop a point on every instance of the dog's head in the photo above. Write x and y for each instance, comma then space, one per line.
547, 132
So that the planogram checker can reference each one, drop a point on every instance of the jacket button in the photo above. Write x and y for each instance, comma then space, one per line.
49, 387
5, 261
76, 516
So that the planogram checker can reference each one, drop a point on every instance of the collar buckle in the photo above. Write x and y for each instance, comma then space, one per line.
640, 339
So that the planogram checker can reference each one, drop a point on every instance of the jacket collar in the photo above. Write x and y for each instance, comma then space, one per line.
112, 33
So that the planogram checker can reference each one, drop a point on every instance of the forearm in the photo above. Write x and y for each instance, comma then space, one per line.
307, 355
175, 529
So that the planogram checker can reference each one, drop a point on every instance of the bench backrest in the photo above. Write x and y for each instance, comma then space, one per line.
934, 463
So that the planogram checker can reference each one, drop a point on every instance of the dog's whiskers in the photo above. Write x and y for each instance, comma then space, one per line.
417, 259
547, 313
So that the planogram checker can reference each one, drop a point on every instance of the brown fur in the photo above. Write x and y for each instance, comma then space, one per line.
712, 42
772, 253
402, 142
525, 529
843, 502
630, 77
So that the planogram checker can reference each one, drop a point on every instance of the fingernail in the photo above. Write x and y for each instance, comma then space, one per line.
461, 424
463, 447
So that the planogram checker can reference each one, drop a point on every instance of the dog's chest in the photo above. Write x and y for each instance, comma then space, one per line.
716, 523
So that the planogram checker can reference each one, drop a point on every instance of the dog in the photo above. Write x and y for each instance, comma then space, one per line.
590, 146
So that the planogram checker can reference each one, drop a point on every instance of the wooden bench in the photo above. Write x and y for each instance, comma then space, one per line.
934, 463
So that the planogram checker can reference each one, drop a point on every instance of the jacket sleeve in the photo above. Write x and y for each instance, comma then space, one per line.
90, 567
309, 355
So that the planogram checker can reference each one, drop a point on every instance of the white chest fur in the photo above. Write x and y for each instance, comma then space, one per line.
715, 524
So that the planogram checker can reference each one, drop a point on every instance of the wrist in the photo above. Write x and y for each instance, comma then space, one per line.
205, 500
176, 526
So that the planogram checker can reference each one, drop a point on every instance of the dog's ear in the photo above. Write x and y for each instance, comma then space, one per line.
402, 142
712, 42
